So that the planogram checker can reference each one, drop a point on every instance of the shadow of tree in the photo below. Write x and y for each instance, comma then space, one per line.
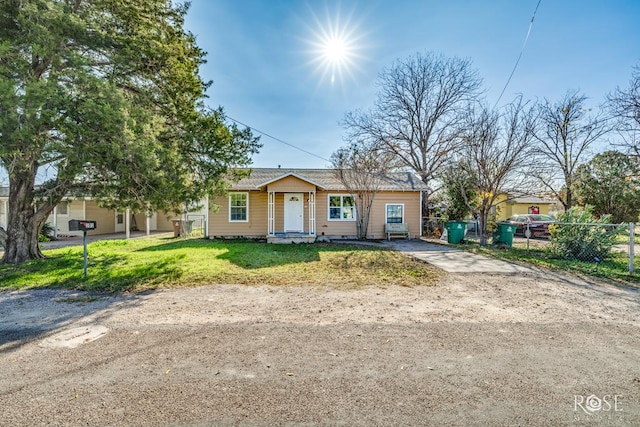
104, 273
256, 255
32, 314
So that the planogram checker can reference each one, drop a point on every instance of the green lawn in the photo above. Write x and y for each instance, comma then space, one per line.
614, 267
141, 264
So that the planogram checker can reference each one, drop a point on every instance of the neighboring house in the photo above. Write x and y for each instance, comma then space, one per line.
108, 221
302, 204
522, 205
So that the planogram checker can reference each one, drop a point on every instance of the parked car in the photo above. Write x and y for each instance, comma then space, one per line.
538, 224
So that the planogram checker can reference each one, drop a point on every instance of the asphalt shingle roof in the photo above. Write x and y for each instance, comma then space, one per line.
325, 178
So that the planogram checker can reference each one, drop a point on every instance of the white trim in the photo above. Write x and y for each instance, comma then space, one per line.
312, 213
247, 207
271, 197
342, 196
127, 224
420, 217
206, 216
55, 221
386, 211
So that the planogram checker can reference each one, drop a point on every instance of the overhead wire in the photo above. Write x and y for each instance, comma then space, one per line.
276, 139
526, 39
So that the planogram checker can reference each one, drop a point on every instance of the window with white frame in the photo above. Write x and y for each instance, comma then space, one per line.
63, 208
238, 207
395, 213
341, 207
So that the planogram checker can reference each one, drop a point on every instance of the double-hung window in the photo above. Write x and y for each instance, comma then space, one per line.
341, 207
62, 208
395, 213
238, 207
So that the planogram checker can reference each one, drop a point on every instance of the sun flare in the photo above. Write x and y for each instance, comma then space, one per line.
335, 47
335, 50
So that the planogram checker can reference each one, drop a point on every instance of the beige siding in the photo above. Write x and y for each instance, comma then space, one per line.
105, 218
291, 184
332, 229
75, 210
347, 229
256, 226
411, 202
219, 224
164, 221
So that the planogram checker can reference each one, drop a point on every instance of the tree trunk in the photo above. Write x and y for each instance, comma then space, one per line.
483, 218
24, 222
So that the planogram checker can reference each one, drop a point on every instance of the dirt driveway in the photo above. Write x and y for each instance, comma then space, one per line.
477, 349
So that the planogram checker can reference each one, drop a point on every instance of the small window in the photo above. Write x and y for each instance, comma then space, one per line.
63, 208
395, 213
119, 218
238, 207
534, 209
341, 208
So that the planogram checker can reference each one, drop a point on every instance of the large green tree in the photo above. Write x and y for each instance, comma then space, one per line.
610, 182
106, 96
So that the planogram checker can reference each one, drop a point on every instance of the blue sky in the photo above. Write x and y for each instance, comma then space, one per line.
264, 64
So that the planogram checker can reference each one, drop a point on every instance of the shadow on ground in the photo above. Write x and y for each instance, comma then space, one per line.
29, 315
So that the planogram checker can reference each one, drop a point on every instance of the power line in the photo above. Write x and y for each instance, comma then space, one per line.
526, 39
277, 139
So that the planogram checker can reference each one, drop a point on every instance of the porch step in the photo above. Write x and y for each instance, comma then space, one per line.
290, 239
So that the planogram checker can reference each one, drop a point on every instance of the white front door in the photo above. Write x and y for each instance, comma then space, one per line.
293, 212
119, 222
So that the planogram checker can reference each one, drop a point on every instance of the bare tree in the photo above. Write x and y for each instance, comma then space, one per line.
495, 156
362, 167
420, 105
565, 133
625, 105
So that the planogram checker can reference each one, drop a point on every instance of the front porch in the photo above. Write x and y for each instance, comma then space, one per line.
291, 210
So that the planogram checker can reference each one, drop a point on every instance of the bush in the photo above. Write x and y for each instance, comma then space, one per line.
571, 238
46, 233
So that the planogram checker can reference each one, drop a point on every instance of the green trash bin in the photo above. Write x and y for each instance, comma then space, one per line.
504, 234
455, 231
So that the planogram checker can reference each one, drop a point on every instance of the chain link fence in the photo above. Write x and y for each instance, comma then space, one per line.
586, 242
195, 225
592, 242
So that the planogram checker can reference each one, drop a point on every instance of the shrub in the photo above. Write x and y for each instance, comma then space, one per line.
572, 238
46, 232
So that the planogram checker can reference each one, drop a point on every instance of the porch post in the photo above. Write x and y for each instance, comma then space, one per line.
127, 226
147, 226
55, 221
270, 214
312, 213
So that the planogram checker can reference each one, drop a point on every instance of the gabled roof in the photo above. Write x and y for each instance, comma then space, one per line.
300, 177
325, 179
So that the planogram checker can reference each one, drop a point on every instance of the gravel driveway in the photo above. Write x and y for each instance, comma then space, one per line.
476, 349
